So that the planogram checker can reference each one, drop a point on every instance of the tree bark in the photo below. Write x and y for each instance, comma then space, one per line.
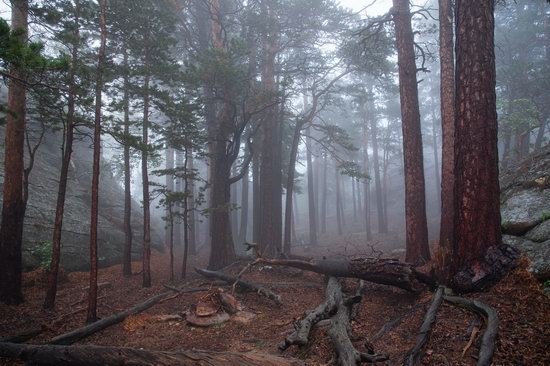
191, 206
169, 188
91, 314
144, 171
366, 183
128, 234
13, 210
47, 355
310, 193
324, 196
382, 225
51, 292
418, 250
476, 185
339, 210
290, 186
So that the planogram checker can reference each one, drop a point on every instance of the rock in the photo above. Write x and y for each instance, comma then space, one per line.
538, 254
540, 233
524, 210
39, 219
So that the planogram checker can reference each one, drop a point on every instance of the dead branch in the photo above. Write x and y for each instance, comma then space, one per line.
241, 284
333, 296
488, 340
413, 355
340, 332
48, 355
86, 331
23, 336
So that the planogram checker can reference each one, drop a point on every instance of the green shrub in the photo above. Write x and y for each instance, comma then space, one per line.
43, 252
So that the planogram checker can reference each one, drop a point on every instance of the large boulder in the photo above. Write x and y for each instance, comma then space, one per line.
38, 226
525, 210
538, 254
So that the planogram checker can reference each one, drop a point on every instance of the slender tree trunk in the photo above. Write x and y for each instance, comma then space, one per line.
145, 174
477, 193
185, 216
338, 199
13, 211
382, 226
178, 208
366, 183
127, 256
354, 198
324, 196
91, 315
310, 193
540, 133
170, 243
191, 207
244, 209
290, 186
418, 250
170, 188
255, 197
49, 301
234, 212
436, 155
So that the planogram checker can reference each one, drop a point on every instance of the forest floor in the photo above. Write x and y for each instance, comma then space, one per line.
524, 311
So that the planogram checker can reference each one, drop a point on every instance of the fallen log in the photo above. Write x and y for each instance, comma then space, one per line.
23, 336
378, 270
48, 355
490, 315
86, 331
241, 284
300, 337
413, 355
340, 331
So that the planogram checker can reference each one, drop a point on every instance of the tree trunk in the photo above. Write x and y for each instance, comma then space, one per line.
290, 186
382, 226
324, 196
191, 207
366, 183
46, 355
339, 212
418, 250
49, 301
169, 188
185, 215
270, 184
244, 209
13, 211
436, 154
91, 315
127, 256
145, 174
170, 244
477, 191
178, 236
310, 193
354, 199
256, 197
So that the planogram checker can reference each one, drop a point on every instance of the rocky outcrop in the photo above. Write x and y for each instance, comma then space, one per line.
525, 210
76, 225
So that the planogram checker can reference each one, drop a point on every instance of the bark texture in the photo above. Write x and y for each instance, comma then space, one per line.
415, 200
476, 186
13, 206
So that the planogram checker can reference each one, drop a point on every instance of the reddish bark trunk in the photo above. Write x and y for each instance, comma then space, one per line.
91, 315
13, 206
49, 301
477, 201
127, 255
415, 201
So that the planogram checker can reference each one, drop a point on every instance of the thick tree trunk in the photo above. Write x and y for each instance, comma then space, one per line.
256, 197
51, 292
270, 177
46, 355
91, 315
127, 255
476, 189
13, 210
310, 192
418, 250
244, 209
